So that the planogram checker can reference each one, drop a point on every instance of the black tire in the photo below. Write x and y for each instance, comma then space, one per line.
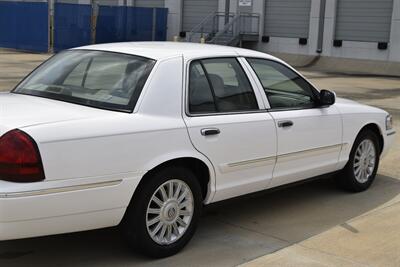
346, 179
134, 223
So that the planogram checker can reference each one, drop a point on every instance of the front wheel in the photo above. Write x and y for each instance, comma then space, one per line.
360, 170
163, 215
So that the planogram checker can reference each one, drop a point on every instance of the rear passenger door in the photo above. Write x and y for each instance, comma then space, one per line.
228, 123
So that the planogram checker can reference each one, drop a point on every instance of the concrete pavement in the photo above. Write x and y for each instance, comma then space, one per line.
15, 65
373, 237
312, 224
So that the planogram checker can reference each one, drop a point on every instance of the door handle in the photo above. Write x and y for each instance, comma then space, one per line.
210, 131
284, 124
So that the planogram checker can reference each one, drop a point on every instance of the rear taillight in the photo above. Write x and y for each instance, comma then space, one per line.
20, 159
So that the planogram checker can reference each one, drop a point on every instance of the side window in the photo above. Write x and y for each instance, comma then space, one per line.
200, 96
283, 87
221, 85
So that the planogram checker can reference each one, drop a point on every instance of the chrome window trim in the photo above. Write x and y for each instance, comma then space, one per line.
226, 113
257, 82
261, 109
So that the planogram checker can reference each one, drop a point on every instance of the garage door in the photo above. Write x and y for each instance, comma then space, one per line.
194, 11
287, 18
364, 20
149, 3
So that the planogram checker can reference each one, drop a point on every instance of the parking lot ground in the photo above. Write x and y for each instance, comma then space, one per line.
312, 224
15, 65
373, 237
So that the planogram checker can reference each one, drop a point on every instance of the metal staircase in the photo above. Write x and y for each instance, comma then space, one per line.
209, 26
226, 29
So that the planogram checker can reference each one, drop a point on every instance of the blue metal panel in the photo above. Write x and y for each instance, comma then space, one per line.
111, 24
8, 23
120, 24
72, 25
161, 24
139, 24
24, 25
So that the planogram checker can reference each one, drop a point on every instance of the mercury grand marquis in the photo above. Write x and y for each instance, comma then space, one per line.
143, 135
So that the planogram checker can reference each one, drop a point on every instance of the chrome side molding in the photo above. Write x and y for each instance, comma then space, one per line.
64, 189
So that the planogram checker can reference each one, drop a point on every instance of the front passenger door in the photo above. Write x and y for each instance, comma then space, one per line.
309, 137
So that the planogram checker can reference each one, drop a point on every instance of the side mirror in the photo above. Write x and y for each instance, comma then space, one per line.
326, 98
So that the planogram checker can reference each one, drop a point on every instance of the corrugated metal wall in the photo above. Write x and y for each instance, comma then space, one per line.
364, 20
149, 3
194, 11
287, 18
24, 25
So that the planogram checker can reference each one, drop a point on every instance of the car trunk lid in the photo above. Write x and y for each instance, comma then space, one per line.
19, 111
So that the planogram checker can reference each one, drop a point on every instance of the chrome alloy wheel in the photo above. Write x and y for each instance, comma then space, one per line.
169, 212
364, 161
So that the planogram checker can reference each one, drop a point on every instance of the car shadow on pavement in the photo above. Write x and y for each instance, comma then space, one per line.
230, 232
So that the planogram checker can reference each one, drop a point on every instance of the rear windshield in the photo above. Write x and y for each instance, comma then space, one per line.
98, 79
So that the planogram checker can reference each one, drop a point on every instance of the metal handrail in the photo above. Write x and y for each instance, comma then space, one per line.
226, 28
236, 27
200, 28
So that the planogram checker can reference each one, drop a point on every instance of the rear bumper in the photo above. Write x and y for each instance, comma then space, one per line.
64, 208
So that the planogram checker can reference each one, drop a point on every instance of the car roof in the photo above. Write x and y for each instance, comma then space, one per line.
163, 50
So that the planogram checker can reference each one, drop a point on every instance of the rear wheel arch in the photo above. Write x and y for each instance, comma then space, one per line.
197, 166
153, 223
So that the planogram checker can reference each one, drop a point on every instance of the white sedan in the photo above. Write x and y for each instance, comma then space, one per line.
144, 134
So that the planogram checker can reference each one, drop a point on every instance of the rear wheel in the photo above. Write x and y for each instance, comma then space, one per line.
360, 170
163, 215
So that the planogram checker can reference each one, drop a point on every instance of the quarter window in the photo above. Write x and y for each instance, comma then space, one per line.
219, 85
283, 87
